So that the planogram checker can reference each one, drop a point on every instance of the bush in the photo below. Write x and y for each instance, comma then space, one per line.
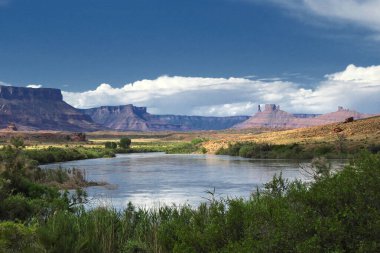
125, 143
15, 237
289, 151
53, 154
110, 145
338, 212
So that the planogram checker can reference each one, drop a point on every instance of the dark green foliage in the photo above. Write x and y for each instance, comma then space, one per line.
125, 143
53, 154
338, 212
16, 237
110, 145
264, 150
22, 196
290, 151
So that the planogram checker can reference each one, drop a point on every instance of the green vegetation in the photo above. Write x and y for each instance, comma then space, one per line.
338, 212
55, 154
17, 142
291, 151
24, 193
195, 146
69, 153
125, 143
110, 145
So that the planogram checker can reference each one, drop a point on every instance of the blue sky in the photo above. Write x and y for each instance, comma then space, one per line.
76, 45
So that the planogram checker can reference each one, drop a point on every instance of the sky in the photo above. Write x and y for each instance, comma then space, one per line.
198, 57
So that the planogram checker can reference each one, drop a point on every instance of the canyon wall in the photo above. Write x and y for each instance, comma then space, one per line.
40, 109
129, 117
272, 117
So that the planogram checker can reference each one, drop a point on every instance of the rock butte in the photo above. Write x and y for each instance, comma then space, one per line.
44, 109
273, 117
40, 109
129, 117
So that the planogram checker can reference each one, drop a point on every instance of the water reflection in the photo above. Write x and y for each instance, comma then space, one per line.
153, 179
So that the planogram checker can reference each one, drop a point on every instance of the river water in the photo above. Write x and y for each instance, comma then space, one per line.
153, 179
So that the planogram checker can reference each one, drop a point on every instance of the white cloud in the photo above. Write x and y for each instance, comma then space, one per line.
363, 12
5, 84
235, 109
355, 87
34, 86
358, 74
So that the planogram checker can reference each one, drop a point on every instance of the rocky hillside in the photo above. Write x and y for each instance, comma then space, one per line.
273, 117
126, 117
129, 117
360, 131
44, 109
40, 109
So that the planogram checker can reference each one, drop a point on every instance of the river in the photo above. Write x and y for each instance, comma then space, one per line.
153, 179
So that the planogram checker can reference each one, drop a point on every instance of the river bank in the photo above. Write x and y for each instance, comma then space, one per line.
330, 214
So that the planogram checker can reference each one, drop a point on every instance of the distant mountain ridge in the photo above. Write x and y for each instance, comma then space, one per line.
44, 109
129, 117
41, 109
273, 117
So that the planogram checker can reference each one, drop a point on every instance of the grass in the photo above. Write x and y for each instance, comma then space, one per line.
55, 154
360, 133
66, 178
177, 147
291, 151
339, 212
340, 148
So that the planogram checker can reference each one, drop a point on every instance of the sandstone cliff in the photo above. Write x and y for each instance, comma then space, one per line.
129, 117
273, 117
40, 109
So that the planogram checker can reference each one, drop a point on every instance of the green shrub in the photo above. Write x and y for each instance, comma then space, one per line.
110, 145
15, 237
53, 154
125, 143
338, 212
264, 150
16, 207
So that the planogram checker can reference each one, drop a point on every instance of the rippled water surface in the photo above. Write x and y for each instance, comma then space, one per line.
153, 179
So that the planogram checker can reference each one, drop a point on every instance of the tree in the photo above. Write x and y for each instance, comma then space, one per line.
111, 145
125, 142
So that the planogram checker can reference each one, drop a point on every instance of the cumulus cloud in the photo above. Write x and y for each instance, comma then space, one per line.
354, 87
362, 12
34, 86
5, 84
358, 74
